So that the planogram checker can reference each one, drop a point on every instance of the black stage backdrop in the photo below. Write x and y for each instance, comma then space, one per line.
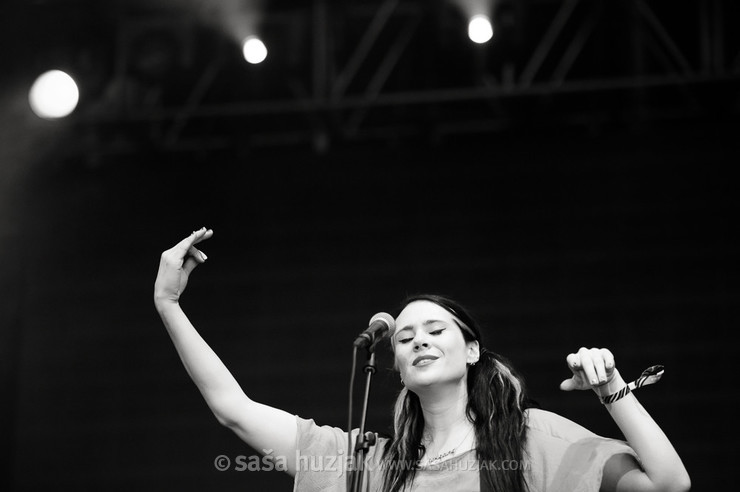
621, 240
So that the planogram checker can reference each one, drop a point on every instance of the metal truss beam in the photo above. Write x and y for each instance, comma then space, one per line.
344, 93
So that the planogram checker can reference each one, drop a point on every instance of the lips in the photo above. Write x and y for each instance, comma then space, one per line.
424, 360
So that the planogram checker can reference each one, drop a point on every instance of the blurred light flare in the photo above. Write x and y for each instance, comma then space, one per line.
54, 95
254, 50
480, 29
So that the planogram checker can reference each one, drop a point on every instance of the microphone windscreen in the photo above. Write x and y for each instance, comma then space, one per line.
385, 317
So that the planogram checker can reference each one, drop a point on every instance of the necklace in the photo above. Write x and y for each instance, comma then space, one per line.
445, 454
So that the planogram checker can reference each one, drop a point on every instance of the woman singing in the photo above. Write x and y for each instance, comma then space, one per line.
462, 422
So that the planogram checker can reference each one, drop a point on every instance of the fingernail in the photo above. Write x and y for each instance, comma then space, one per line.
203, 255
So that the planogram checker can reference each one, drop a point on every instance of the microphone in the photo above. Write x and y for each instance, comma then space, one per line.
379, 325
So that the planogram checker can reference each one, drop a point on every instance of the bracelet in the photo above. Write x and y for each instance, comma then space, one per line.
650, 375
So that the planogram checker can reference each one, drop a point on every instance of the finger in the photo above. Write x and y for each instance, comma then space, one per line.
190, 265
609, 362
587, 366
199, 256
202, 235
574, 362
597, 357
183, 246
569, 385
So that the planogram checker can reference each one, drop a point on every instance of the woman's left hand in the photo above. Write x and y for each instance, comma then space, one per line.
592, 369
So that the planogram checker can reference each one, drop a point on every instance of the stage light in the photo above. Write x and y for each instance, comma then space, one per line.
254, 50
480, 29
53, 95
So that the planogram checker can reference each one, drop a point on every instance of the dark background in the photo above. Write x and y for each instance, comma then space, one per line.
599, 209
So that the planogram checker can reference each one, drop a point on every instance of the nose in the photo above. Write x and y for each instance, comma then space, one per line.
420, 341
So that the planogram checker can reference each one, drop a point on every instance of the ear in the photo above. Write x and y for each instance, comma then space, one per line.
473, 352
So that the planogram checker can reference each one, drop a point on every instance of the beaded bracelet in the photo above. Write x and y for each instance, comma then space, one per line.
649, 376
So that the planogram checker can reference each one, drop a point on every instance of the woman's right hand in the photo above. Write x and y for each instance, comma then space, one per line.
262, 427
175, 267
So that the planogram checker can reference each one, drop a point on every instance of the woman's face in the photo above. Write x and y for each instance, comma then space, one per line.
429, 346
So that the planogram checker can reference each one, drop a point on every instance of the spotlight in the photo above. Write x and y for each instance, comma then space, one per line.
480, 29
254, 50
53, 95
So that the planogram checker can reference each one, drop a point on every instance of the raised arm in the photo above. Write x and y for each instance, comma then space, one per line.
262, 427
662, 469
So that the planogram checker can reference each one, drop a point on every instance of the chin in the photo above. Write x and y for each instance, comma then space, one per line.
422, 383
425, 382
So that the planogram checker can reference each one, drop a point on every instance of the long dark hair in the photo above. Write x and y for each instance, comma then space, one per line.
496, 403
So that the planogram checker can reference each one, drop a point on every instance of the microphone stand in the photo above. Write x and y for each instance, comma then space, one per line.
364, 440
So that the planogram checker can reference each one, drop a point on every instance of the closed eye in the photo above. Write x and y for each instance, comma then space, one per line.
409, 339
